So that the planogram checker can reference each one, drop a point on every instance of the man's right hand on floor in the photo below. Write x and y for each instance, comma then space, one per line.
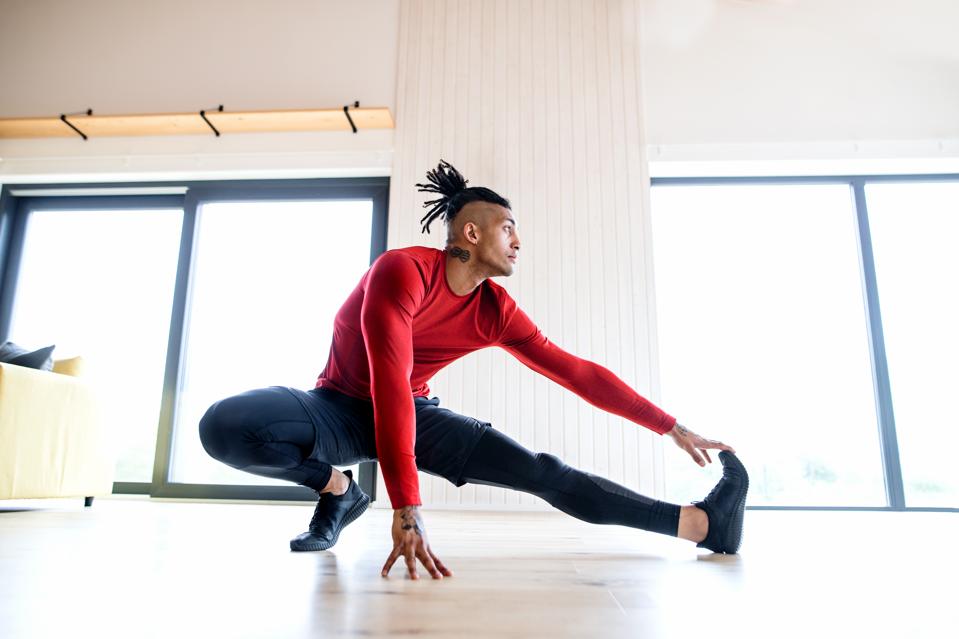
409, 540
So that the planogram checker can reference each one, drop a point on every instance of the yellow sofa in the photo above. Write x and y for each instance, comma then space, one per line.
53, 442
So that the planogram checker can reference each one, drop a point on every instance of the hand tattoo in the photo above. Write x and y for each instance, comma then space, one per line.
463, 254
682, 429
408, 518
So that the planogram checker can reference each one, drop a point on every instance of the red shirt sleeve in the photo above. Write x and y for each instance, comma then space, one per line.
394, 290
594, 383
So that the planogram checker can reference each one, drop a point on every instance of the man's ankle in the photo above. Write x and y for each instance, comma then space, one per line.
693, 524
338, 483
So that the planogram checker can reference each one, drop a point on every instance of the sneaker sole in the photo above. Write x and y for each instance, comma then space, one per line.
351, 515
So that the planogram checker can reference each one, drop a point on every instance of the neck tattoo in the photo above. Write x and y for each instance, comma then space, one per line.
462, 254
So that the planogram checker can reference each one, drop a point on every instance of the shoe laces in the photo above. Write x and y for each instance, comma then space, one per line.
728, 475
713, 492
317, 512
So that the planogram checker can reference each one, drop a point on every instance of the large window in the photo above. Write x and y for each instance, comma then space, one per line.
915, 229
99, 284
268, 279
771, 336
761, 320
182, 294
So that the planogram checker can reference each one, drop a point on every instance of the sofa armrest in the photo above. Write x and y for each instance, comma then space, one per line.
53, 442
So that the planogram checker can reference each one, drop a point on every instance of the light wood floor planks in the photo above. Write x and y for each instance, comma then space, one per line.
130, 567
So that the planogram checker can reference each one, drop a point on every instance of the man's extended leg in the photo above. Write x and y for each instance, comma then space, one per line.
715, 523
501, 461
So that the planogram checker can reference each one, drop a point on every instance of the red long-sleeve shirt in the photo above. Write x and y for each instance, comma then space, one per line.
403, 323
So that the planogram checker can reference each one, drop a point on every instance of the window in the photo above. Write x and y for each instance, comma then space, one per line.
761, 318
99, 284
267, 281
182, 294
915, 227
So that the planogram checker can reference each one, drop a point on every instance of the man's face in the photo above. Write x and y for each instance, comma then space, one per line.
498, 247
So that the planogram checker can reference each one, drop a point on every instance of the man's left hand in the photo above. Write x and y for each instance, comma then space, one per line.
694, 444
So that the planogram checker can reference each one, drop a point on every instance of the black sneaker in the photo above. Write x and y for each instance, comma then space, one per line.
332, 514
724, 506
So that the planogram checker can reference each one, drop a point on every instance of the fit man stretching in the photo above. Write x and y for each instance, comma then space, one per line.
414, 311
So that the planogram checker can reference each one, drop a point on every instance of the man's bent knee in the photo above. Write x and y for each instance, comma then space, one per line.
211, 433
225, 426
227, 429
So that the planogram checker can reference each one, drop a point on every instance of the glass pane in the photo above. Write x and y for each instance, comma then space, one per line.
268, 279
763, 342
914, 232
99, 284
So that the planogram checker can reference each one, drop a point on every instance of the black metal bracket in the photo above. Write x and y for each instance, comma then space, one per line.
63, 116
203, 115
346, 110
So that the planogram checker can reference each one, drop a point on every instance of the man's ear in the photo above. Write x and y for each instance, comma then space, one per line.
470, 232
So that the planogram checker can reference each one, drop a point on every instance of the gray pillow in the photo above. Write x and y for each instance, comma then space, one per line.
42, 358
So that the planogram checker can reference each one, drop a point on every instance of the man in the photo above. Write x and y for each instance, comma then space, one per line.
414, 311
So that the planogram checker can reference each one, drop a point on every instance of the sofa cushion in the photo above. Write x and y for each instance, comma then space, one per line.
72, 366
42, 358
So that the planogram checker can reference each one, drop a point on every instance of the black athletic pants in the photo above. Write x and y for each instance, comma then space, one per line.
286, 433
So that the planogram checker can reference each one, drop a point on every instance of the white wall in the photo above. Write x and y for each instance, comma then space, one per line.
724, 79
539, 101
128, 56
728, 79
137, 56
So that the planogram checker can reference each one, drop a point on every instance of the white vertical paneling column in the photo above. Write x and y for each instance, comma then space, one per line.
539, 100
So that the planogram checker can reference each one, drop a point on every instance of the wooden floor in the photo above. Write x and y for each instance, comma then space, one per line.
130, 567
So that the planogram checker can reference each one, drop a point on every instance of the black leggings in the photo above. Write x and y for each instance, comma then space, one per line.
298, 436
500, 461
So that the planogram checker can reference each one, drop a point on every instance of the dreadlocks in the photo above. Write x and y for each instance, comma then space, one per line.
451, 185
